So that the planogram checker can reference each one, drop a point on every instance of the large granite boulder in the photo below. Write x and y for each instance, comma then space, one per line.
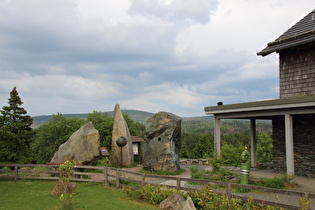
120, 128
82, 147
162, 143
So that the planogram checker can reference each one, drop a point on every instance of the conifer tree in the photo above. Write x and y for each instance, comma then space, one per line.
15, 131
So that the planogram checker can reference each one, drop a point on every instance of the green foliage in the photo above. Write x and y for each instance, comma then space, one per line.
203, 199
276, 182
196, 145
264, 147
152, 194
49, 136
135, 127
66, 172
219, 173
215, 163
15, 131
304, 203
104, 124
207, 199
161, 172
184, 153
199, 146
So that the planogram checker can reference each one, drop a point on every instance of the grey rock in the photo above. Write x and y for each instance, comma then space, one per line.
177, 202
162, 143
82, 147
120, 128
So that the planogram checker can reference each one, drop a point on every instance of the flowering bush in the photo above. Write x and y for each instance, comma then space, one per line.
66, 172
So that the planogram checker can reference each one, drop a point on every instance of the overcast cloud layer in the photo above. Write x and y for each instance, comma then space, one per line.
77, 56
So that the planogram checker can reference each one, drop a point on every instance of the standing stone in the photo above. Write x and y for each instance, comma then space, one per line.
162, 143
82, 147
120, 128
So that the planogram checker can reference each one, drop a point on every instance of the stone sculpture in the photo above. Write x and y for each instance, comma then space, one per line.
120, 128
162, 143
82, 147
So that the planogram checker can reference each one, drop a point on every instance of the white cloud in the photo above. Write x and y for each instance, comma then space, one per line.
159, 55
176, 10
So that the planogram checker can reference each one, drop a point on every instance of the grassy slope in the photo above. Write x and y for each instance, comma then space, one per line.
32, 194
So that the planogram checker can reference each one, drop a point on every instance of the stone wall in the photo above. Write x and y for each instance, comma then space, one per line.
304, 144
297, 71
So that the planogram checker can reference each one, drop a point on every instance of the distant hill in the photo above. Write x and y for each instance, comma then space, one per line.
136, 115
202, 124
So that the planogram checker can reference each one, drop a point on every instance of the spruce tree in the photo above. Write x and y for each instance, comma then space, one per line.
15, 131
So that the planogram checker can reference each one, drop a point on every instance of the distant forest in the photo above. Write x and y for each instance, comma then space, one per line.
198, 125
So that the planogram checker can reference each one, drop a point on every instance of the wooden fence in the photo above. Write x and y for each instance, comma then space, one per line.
121, 177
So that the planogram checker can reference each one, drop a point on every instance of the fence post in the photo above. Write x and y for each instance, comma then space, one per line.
178, 183
117, 178
143, 180
105, 177
307, 195
228, 191
16, 171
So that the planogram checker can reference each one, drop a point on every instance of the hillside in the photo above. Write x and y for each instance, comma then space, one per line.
202, 124
136, 115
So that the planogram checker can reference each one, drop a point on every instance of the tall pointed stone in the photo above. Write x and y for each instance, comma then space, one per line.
120, 128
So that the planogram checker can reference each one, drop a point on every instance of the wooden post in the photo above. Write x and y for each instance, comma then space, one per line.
117, 178
253, 141
307, 196
105, 177
289, 145
178, 183
228, 191
143, 180
217, 137
16, 171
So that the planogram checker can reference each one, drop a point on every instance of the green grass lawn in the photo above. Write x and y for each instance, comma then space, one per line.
31, 194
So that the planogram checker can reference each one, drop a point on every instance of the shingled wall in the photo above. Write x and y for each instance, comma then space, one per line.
297, 71
304, 144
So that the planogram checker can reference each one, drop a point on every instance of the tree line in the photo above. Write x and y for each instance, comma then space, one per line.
19, 143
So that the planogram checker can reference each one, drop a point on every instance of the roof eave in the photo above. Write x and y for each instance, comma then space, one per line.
270, 49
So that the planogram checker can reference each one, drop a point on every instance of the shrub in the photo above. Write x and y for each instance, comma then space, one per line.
276, 182
152, 194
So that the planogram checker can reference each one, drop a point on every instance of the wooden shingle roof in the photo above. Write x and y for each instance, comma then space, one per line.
302, 32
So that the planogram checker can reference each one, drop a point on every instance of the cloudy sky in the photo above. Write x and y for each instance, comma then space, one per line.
77, 56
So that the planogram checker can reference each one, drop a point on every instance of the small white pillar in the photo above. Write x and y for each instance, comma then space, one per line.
253, 142
217, 137
289, 145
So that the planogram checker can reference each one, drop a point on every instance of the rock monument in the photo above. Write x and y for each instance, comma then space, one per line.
120, 128
82, 147
162, 143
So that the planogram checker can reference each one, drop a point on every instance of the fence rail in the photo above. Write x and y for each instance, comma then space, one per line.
117, 177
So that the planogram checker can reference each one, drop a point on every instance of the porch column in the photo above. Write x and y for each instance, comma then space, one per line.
217, 137
253, 142
289, 145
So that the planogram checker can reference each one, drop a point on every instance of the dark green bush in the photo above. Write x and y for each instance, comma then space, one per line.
276, 182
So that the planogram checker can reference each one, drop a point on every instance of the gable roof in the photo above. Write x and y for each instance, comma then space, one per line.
302, 32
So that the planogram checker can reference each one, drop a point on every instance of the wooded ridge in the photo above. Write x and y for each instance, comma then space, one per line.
198, 124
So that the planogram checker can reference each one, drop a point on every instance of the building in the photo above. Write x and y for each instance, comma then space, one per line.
293, 115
